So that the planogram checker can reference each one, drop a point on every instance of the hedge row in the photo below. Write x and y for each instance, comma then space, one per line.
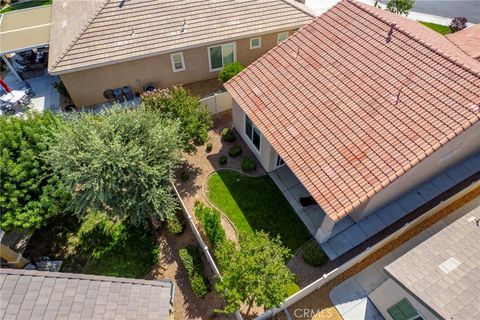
192, 262
211, 223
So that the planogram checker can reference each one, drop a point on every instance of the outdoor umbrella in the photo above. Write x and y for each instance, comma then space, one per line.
5, 86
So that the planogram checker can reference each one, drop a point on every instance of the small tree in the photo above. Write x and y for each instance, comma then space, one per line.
120, 161
177, 104
254, 273
400, 6
229, 71
458, 23
30, 192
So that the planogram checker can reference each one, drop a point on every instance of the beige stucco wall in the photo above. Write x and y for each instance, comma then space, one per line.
86, 87
458, 149
390, 293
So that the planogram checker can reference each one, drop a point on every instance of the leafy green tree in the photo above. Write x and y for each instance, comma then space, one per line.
400, 6
177, 104
119, 161
253, 273
30, 193
229, 71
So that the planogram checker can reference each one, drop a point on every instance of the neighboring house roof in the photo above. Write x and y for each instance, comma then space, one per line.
468, 40
444, 270
89, 33
29, 294
358, 97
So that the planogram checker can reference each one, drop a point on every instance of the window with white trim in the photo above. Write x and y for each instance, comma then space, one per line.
252, 132
282, 36
219, 56
255, 43
178, 64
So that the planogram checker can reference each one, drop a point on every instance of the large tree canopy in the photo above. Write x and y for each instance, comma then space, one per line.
253, 272
119, 161
30, 193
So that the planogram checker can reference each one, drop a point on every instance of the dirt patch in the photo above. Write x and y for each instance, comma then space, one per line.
319, 300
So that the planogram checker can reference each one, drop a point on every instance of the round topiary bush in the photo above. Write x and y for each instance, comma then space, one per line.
209, 147
229, 71
235, 151
313, 254
222, 160
228, 135
248, 164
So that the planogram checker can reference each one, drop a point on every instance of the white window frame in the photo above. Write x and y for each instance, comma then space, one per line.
173, 61
259, 43
221, 45
250, 138
280, 34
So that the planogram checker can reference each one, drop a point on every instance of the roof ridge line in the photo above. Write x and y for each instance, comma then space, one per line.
298, 7
79, 34
429, 46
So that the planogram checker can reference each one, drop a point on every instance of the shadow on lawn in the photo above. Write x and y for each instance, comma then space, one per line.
256, 203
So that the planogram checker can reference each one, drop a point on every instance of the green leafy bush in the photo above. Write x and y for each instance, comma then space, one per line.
229, 71
185, 175
222, 160
209, 147
292, 289
248, 164
313, 254
177, 104
211, 223
30, 191
192, 263
235, 151
174, 226
228, 134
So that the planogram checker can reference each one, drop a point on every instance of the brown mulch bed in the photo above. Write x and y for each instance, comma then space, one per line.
319, 300
203, 88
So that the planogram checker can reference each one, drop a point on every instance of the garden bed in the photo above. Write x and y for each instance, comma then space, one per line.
254, 204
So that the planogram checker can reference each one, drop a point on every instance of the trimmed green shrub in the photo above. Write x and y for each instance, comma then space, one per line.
229, 71
209, 147
292, 289
211, 223
235, 151
192, 263
228, 135
248, 164
313, 254
222, 160
174, 226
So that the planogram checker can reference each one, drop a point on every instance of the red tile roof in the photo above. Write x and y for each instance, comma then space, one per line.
350, 110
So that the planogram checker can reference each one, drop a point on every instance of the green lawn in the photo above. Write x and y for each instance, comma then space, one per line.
25, 5
437, 27
254, 204
131, 252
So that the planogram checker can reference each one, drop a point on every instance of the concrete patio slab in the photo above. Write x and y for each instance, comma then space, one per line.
458, 173
327, 248
443, 182
371, 225
340, 244
369, 279
355, 235
347, 295
428, 191
472, 164
287, 177
411, 201
365, 310
391, 213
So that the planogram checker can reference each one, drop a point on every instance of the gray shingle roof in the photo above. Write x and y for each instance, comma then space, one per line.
98, 32
444, 270
27, 294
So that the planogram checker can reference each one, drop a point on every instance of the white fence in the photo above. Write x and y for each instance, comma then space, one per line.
200, 241
218, 102
328, 277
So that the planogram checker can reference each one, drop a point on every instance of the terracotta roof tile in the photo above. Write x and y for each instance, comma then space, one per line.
350, 110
